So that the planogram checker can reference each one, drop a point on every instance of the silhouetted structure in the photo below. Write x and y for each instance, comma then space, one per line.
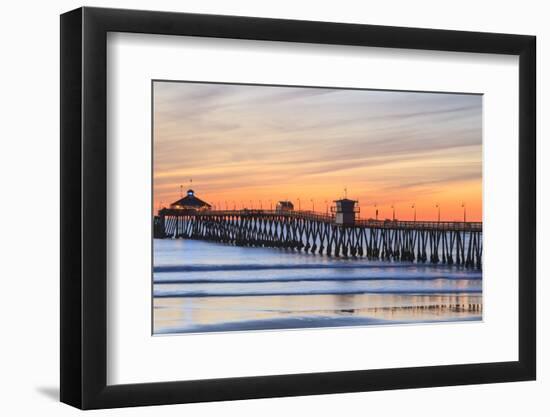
190, 202
345, 211
285, 206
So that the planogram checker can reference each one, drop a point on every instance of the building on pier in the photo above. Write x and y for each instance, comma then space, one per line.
190, 202
345, 212
285, 206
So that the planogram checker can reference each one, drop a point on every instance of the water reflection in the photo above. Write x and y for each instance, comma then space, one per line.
174, 315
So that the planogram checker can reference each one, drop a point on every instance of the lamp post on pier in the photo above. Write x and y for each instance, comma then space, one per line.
464, 207
326, 205
414, 208
312, 205
299, 204
393, 210
438, 213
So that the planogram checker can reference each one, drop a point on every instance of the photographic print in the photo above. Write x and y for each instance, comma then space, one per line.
293, 207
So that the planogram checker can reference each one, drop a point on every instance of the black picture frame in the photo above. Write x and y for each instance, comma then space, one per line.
84, 207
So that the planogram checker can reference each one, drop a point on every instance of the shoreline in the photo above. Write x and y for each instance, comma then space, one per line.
304, 323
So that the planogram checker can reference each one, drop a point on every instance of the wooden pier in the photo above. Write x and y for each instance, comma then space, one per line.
452, 243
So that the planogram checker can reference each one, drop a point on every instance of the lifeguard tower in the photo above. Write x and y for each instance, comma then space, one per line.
345, 211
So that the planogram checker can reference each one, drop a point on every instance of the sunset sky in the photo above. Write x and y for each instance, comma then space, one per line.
244, 144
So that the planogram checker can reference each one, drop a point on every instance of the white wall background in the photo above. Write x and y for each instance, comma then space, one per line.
29, 175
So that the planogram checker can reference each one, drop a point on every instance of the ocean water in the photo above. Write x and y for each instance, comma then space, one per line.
211, 287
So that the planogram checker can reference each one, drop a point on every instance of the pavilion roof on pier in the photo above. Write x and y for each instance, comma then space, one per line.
190, 201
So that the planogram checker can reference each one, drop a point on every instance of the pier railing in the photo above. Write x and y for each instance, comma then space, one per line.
330, 218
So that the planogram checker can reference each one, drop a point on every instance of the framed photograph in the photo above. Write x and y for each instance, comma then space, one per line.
258, 208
